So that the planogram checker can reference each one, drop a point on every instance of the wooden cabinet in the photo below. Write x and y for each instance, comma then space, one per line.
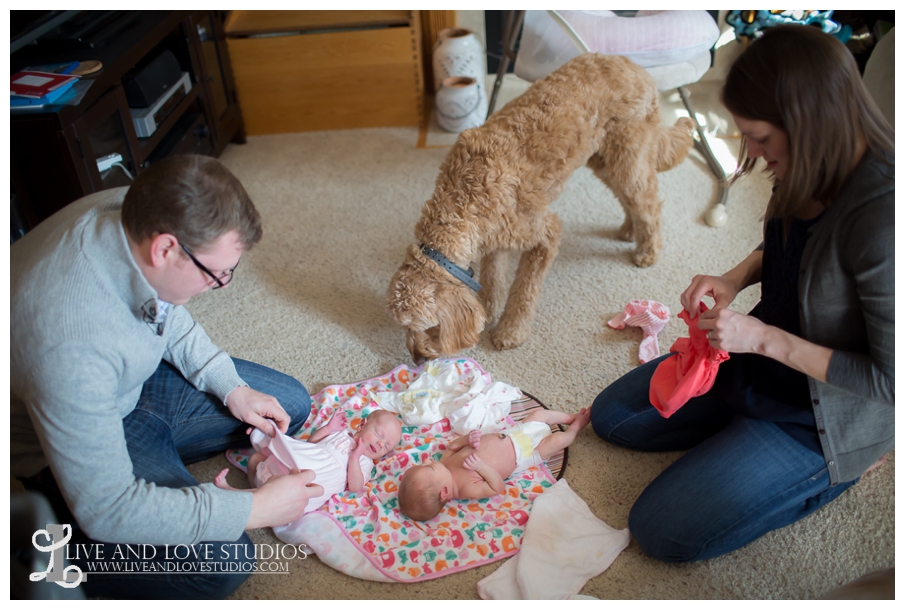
318, 70
54, 150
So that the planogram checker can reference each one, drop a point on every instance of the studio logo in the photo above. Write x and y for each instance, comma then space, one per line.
58, 536
203, 558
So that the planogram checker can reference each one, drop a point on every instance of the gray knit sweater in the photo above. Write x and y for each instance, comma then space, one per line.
847, 292
81, 349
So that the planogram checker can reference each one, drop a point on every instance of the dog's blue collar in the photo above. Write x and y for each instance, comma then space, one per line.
465, 276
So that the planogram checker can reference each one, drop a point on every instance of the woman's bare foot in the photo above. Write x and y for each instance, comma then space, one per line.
876, 464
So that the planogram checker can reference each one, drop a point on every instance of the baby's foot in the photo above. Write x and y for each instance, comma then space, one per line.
581, 419
220, 481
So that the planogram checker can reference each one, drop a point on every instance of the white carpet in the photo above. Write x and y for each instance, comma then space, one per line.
339, 209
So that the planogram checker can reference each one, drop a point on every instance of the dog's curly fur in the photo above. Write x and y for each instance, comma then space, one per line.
497, 182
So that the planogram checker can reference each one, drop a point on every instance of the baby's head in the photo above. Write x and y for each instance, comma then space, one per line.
380, 433
424, 490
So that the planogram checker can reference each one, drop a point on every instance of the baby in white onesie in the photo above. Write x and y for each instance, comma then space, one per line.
340, 460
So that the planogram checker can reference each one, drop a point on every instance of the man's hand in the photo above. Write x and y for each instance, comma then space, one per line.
255, 408
282, 499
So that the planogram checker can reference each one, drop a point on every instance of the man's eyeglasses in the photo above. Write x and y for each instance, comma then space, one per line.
225, 278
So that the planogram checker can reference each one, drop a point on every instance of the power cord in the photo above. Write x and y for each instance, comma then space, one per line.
123, 167
107, 162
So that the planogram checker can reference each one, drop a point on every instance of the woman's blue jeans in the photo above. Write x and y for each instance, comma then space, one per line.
740, 478
173, 425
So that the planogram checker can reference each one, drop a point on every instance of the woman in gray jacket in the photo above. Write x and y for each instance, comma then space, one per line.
805, 404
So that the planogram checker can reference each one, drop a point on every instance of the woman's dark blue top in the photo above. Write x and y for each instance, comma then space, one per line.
760, 387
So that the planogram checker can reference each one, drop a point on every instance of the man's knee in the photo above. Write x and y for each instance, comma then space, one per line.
297, 404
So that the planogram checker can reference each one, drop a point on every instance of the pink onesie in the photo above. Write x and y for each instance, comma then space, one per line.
651, 317
328, 458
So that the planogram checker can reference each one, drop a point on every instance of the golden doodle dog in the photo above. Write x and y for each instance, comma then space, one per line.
497, 182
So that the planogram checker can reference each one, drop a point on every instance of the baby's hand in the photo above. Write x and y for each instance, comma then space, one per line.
357, 450
338, 422
474, 438
473, 462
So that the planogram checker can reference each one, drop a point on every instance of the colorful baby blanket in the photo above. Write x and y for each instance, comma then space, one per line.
363, 534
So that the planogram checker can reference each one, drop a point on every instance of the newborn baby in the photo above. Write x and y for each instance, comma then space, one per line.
340, 460
475, 466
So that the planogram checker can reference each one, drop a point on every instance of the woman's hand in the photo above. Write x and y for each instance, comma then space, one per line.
725, 288
722, 290
734, 332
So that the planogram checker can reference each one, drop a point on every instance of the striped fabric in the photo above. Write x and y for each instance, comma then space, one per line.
525, 406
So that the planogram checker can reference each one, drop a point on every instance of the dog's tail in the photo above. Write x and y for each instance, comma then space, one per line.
674, 143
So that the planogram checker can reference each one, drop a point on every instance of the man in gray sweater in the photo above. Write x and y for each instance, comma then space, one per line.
114, 387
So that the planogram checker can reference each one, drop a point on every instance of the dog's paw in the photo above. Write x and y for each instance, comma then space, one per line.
490, 311
687, 125
626, 232
504, 336
491, 320
645, 258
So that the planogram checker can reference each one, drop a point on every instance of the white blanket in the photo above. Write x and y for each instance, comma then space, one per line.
564, 546
441, 391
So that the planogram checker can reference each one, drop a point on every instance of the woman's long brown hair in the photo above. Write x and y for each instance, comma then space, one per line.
806, 83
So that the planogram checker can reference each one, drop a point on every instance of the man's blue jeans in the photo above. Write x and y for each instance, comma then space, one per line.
174, 424
740, 478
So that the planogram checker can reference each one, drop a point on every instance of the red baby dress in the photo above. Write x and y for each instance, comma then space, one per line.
688, 374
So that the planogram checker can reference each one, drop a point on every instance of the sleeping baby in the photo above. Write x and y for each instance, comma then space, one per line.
475, 466
340, 460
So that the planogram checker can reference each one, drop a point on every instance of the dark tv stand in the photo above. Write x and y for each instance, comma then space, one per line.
54, 150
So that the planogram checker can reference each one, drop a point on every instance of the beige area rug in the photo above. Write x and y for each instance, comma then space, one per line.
339, 210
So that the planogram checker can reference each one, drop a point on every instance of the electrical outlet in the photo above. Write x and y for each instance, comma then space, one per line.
107, 161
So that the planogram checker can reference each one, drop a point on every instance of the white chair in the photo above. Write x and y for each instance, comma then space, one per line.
880, 75
673, 46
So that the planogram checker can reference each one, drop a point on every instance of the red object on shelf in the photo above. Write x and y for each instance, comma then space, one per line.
37, 84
